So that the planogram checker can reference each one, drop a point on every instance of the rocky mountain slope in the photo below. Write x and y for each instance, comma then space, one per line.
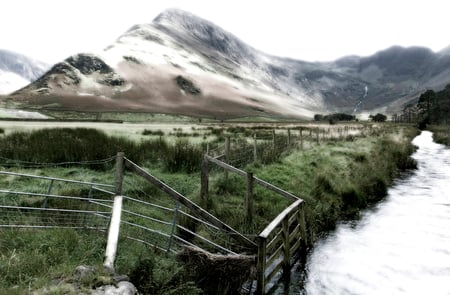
186, 65
17, 70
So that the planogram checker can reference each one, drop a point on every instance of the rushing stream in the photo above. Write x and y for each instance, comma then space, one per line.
401, 246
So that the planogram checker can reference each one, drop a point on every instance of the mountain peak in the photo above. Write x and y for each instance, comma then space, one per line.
201, 33
176, 16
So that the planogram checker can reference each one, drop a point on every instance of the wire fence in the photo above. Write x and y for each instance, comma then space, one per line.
39, 201
45, 202
246, 146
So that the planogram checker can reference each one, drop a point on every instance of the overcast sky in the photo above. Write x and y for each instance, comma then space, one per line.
313, 30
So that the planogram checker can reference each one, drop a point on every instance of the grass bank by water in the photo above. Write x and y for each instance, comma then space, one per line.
336, 179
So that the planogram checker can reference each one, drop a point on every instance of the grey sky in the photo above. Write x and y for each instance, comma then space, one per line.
52, 30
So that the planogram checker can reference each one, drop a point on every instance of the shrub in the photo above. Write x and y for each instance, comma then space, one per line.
151, 132
156, 276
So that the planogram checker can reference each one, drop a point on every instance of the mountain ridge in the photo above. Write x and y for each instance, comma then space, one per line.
233, 78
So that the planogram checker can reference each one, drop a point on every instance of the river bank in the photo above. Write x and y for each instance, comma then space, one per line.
400, 246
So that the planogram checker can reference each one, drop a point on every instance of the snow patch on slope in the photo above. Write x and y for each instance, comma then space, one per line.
19, 114
10, 82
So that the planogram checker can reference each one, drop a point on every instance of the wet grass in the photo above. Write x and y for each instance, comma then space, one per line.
336, 179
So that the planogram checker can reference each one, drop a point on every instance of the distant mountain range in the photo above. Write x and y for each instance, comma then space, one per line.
186, 65
17, 71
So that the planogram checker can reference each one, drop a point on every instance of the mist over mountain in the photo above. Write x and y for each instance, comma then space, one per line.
17, 70
183, 64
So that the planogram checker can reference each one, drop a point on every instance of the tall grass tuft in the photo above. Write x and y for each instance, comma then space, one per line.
183, 156
71, 146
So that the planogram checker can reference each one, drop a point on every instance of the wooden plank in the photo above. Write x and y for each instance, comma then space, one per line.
295, 247
276, 189
293, 218
226, 166
274, 242
188, 203
277, 254
295, 234
261, 267
286, 244
276, 222
274, 271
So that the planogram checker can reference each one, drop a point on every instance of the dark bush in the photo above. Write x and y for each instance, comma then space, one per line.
151, 132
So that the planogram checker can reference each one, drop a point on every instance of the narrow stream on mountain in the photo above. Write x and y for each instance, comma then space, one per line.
400, 246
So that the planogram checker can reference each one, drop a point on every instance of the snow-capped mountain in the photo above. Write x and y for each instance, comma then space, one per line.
183, 64
17, 71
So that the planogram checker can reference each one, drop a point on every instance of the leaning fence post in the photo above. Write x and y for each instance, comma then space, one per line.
249, 199
113, 235
48, 193
114, 226
204, 183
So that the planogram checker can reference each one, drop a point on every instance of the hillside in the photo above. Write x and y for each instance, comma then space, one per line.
17, 70
182, 64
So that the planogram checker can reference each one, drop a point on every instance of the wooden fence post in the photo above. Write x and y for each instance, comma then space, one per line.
286, 247
227, 154
204, 183
273, 140
303, 225
174, 225
301, 138
249, 199
317, 135
114, 226
227, 150
261, 266
255, 154
289, 137
119, 173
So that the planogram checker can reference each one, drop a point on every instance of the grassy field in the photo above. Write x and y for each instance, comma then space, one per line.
337, 169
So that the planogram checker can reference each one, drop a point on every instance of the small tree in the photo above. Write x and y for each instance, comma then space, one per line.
378, 117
